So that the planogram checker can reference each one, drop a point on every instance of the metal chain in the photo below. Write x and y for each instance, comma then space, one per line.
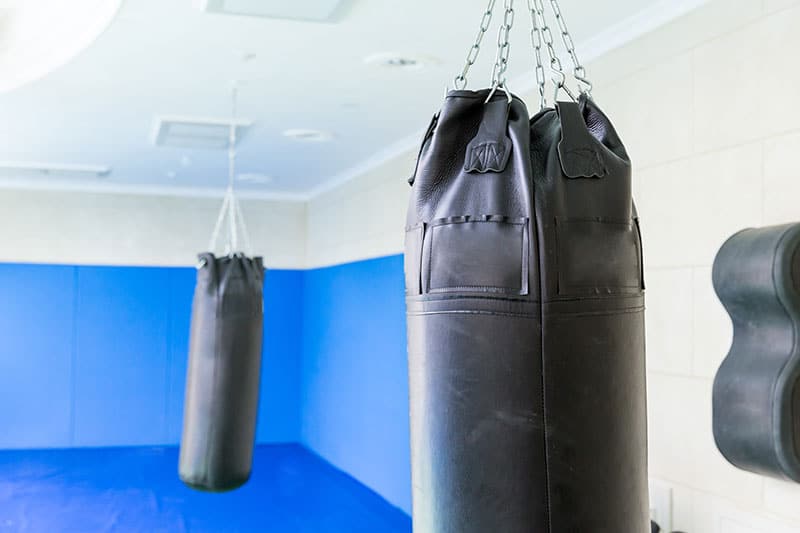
579, 72
460, 81
559, 78
536, 42
503, 47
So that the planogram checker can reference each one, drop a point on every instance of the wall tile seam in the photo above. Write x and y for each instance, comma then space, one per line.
687, 49
338, 195
760, 512
659, 269
678, 375
73, 355
663, 165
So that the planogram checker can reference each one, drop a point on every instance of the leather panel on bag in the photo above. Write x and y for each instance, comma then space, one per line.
597, 256
478, 255
412, 259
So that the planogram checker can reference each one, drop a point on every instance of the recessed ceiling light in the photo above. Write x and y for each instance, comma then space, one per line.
400, 61
186, 161
171, 174
308, 135
253, 177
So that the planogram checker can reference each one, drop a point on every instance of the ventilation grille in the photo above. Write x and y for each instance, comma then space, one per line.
14, 169
312, 10
192, 132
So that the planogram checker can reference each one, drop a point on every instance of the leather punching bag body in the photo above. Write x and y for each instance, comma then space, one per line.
525, 323
223, 374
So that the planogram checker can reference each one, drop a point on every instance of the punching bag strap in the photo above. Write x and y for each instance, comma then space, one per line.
230, 209
578, 150
490, 149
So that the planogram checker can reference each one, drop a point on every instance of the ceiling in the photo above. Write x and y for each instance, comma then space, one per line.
162, 57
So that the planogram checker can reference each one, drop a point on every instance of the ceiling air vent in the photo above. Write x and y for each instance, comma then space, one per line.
313, 10
14, 169
193, 132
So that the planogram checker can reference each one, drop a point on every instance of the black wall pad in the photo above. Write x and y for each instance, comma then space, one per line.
757, 387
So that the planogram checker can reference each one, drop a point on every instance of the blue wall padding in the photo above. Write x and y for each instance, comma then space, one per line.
96, 356
36, 350
355, 375
137, 489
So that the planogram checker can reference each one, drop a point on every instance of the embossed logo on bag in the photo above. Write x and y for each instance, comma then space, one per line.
582, 162
488, 156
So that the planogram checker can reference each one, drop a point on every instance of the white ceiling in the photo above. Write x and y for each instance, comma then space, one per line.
168, 57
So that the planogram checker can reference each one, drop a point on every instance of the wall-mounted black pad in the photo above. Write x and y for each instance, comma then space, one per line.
757, 388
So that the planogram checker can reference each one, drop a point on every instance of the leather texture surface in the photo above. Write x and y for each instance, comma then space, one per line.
525, 311
223, 374
757, 388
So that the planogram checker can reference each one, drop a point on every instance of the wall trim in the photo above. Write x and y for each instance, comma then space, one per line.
101, 187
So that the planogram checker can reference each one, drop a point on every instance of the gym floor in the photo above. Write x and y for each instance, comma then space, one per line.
124, 490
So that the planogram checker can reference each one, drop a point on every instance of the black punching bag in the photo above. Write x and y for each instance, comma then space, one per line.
222, 381
525, 311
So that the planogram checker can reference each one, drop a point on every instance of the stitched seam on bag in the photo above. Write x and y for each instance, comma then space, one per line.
470, 312
627, 311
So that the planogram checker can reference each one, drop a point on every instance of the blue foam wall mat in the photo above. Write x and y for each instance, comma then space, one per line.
96, 356
355, 375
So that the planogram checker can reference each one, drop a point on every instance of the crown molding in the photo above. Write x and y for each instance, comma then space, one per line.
146, 190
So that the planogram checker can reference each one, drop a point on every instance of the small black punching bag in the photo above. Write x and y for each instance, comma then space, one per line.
525, 314
222, 379
223, 374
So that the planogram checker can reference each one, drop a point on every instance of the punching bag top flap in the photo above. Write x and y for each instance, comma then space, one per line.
590, 146
578, 150
215, 271
490, 149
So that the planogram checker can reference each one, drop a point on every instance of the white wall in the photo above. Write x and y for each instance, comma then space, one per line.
706, 107
118, 229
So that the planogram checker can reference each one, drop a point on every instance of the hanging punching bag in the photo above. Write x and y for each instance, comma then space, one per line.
525, 322
223, 374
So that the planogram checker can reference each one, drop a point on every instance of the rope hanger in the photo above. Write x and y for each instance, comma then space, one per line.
231, 209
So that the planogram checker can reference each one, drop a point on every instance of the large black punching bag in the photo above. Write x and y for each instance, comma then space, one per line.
223, 374
525, 314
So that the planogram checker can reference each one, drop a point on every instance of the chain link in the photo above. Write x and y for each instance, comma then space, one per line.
460, 81
579, 72
536, 42
503, 47
559, 78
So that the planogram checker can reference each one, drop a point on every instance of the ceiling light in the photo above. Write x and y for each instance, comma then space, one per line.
38, 37
307, 135
400, 61
255, 178
171, 174
312, 10
15, 169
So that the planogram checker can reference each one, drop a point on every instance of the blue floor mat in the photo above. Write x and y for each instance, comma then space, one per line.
138, 490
